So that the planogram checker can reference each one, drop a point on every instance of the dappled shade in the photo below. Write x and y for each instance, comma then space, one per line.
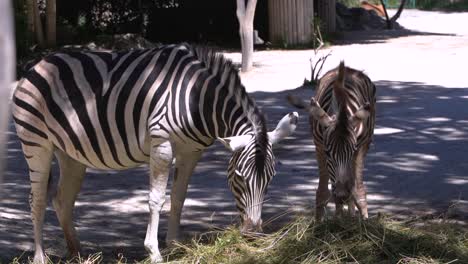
417, 164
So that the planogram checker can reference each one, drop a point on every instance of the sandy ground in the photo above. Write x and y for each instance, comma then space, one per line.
417, 165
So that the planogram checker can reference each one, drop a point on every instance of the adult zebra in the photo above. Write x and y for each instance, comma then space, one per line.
119, 110
342, 120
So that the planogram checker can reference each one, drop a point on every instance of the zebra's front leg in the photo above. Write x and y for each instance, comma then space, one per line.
361, 200
71, 178
185, 164
160, 164
351, 208
360, 190
323, 193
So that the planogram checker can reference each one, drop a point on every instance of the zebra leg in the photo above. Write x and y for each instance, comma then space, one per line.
71, 177
160, 164
323, 193
361, 193
39, 160
351, 208
185, 164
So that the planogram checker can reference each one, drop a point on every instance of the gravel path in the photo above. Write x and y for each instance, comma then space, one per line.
417, 165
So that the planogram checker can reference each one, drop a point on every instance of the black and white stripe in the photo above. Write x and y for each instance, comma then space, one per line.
342, 118
105, 110
344, 94
101, 107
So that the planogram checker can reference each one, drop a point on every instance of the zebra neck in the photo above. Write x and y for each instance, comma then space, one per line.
227, 109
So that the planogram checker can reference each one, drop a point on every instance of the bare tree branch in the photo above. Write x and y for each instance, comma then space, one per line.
316, 67
398, 13
389, 24
391, 21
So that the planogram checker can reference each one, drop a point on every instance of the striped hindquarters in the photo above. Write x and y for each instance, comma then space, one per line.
359, 91
94, 105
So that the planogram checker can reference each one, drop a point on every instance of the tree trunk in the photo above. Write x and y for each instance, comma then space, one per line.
38, 26
30, 14
141, 17
245, 15
7, 74
326, 10
51, 14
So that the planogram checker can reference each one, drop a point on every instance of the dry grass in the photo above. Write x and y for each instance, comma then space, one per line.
378, 240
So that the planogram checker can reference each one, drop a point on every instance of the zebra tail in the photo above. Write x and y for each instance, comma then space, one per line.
297, 102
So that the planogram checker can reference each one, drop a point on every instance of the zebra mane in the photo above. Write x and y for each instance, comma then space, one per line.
224, 68
341, 98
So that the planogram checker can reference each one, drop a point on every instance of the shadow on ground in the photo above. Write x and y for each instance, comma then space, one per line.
378, 36
417, 165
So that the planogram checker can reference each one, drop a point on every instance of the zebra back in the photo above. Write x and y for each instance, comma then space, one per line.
102, 108
341, 92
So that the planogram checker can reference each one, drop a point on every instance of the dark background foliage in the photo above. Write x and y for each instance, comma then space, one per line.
164, 21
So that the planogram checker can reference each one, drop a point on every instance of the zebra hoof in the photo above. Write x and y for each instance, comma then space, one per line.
39, 258
156, 258
172, 241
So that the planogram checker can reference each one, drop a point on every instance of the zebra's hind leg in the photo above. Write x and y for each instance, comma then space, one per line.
39, 158
160, 164
71, 177
185, 164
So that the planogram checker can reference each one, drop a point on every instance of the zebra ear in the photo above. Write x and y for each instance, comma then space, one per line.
361, 114
285, 127
320, 115
235, 143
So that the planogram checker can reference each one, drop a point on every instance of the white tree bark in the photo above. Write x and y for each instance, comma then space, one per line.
7, 73
51, 14
245, 15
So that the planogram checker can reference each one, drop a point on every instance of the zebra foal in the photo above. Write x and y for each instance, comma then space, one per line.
108, 110
342, 119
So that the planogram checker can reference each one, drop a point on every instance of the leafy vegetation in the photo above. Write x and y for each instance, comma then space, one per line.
356, 3
456, 5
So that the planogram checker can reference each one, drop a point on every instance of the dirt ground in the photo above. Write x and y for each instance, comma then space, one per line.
417, 164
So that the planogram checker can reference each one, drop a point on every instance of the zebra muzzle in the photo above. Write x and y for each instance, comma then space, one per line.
248, 226
342, 192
